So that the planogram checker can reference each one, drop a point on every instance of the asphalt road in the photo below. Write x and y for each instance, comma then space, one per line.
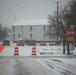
24, 66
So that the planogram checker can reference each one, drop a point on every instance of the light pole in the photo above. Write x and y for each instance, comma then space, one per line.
57, 20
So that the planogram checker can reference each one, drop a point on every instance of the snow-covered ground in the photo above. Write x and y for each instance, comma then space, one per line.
65, 66
53, 51
62, 63
59, 62
40, 51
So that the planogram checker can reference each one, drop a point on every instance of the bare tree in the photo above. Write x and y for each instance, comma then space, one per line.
3, 33
63, 23
72, 7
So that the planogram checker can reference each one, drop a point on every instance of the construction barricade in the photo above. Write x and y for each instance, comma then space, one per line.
16, 51
34, 51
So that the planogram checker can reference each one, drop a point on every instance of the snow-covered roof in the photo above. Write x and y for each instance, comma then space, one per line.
31, 22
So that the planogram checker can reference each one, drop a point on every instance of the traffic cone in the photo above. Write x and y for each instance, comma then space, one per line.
16, 51
34, 51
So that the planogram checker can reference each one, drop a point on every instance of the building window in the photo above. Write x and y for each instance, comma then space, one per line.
13, 29
50, 36
18, 35
30, 36
13, 36
44, 28
44, 36
31, 29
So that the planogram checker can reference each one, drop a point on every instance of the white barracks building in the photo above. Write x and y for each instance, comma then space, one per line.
32, 30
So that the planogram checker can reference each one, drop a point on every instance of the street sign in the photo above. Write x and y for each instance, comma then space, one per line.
70, 39
70, 32
1, 48
72, 26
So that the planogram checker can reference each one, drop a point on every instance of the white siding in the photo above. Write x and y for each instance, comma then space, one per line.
37, 32
18, 30
25, 33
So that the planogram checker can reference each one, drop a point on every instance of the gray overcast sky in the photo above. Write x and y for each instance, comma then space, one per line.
26, 10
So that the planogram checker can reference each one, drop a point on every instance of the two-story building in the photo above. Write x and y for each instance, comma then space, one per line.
31, 30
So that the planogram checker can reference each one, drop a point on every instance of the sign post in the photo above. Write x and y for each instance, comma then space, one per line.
70, 38
70, 34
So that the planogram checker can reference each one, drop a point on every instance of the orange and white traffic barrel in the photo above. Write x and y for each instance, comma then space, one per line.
16, 51
34, 51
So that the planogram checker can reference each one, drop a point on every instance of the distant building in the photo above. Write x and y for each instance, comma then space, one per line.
31, 30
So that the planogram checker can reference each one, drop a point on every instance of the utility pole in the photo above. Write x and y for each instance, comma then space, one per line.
57, 20
15, 18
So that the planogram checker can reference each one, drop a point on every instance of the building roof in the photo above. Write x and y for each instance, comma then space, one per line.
31, 22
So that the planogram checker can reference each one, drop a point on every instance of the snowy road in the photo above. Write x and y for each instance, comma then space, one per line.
34, 66
24, 66
65, 66
48, 61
